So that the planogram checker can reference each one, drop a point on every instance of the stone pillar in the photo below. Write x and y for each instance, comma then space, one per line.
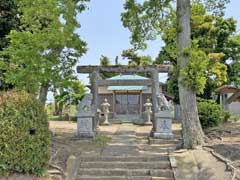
155, 89
105, 108
141, 102
114, 101
95, 78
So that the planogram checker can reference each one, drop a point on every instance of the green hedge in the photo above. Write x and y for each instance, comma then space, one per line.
210, 113
24, 134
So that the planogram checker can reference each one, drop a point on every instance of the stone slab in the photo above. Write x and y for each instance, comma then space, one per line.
85, 127
163, 125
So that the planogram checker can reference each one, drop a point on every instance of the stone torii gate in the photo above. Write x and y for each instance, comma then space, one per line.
154, 70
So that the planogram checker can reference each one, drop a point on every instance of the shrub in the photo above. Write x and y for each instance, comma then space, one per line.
24, 134
226, 116
210, 113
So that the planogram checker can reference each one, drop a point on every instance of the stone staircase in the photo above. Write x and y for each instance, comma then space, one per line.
125, 168
129, 156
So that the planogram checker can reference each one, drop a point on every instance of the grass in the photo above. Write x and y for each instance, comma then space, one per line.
101, 140
235, 118
50, 112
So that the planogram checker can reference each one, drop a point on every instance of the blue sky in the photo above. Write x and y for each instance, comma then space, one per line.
102, 29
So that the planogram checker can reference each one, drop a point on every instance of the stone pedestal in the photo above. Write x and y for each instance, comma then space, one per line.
85, 125
163, 125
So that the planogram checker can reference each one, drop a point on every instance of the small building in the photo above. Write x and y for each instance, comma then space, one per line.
230, 98
127, 100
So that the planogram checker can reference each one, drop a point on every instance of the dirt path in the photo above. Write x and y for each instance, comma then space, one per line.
200, 165
225, 140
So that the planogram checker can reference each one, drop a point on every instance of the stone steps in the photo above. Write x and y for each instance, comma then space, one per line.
129, 156
126, 165
124, 158
122, 178
156, 149
126, 172
163, 141
125, 168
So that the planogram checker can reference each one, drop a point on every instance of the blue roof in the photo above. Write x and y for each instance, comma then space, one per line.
127, 88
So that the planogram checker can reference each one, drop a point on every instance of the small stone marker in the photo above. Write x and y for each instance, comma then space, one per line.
85, 118
72, 168
163, 125
85, 126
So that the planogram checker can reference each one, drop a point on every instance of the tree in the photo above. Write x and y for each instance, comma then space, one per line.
149, 19
191, 127
104, 61
210, 34
232, 51
71, 95
9, 20
45, 50
135, 59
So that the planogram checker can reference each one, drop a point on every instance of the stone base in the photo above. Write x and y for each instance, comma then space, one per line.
105, 124
148, 124
162, 135
85, 135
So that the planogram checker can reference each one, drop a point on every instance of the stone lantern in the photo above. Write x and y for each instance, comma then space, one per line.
105, 109
148, 111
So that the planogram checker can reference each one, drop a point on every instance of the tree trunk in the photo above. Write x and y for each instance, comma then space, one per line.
43, 93
191, 127
56, 108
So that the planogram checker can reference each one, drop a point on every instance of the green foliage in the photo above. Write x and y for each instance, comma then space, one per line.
235, 118
211, 34
217, 71
72, 94
233, 52
217, 7
24, 134
145, 20
47, 47
135, 59
172, 85
209, 112
149, 18
101, 140
105, 61
193, 75
8, 20
226, 116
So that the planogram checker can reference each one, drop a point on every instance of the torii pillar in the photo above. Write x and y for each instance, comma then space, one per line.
95, 100
155, 90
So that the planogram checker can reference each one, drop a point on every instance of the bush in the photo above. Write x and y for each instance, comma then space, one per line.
24, 134
210, 113
226, 116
